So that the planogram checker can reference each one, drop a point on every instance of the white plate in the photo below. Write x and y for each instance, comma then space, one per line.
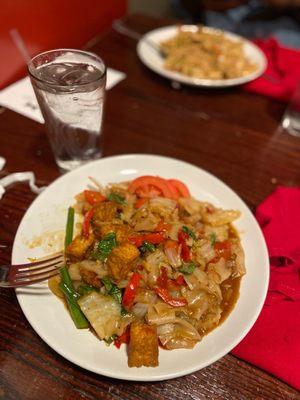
51, 321
151, 58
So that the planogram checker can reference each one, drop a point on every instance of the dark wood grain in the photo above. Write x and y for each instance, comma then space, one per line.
230, 133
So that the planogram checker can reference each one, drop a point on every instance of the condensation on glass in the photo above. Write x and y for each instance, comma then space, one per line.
70, 89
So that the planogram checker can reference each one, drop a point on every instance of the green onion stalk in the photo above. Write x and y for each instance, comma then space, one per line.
66, 284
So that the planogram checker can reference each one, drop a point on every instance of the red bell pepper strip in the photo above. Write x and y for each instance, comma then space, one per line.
130, 290
170, 244
222, 249
87, 222
162, 280
173, 301
185, 251
93, 197
154, 238
162, 226
179, 281
124, 338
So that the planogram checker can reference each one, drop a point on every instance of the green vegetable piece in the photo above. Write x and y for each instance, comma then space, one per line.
213, 239
83, 289
124, 312
71, 296
107, 283
116, 293
110, 340
187, 268
112, 289
117, 198
189, 232
69, 227
105, 246
146, 246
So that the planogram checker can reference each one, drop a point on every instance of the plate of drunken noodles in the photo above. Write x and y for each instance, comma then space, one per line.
165, 268
201, 56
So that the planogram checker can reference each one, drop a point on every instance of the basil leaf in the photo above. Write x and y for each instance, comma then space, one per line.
112, 289
146, 246
117, 198
116, 293
107, 283
187, 268
85, 289
189, 232
105, 246
213, 239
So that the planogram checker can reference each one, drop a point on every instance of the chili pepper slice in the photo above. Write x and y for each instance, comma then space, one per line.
130, 290
162, 226
185, 251
173, 301
93, 197
87, 222
154, 238
162, 280
124, 338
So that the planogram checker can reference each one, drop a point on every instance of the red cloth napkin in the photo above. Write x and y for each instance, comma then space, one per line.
273, 343
282, 74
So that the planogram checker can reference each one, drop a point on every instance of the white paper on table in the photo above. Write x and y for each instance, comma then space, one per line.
20, 96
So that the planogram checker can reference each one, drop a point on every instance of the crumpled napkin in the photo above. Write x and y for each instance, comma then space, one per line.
18, 177
282, 75
273, 343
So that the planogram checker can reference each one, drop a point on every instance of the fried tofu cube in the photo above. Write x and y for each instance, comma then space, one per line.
121, 260
77, 249
90, 277
122, 231
143, 345
104, 212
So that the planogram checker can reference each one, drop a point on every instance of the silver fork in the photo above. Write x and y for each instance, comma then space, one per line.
119, 26
27, 274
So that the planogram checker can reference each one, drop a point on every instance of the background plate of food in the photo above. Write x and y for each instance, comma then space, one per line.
201, 56
155, 255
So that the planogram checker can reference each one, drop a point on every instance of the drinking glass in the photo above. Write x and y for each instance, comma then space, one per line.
70, 88
291, 118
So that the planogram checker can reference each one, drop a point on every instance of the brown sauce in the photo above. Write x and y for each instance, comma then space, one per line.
230, 292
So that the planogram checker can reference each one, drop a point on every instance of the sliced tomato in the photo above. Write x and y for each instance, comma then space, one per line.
154, 238
180, 188
140, 202
93, 197
150, 186
173, 190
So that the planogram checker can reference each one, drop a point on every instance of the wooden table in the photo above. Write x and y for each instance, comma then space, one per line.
230, 133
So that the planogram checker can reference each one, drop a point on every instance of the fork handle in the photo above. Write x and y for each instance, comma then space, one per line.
118, 26
4, 271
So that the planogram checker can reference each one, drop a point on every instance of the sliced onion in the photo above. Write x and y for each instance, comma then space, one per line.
140, 310
173, 257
